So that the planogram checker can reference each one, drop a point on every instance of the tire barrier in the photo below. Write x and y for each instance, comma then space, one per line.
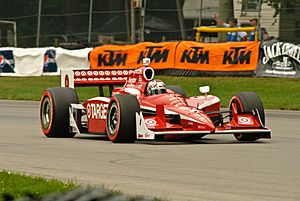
80, 194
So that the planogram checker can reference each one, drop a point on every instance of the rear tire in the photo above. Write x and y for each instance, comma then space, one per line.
54, 111
121, 120
247, 102
177, 89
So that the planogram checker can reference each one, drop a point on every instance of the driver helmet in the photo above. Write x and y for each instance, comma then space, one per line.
156, 87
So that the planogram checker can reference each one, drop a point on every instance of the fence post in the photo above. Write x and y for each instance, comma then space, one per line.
90, 20
39, 24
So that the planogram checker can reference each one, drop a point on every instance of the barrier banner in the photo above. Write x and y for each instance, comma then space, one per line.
239, 56
235, 56
162, 55
7, 63
72, 59
130, 56
279, 59
113, 56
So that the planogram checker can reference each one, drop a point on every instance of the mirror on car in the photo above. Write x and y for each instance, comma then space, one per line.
204, 89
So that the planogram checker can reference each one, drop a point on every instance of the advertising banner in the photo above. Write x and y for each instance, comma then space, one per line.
279, 59
188, 55
41, 61
130, 56
237, 56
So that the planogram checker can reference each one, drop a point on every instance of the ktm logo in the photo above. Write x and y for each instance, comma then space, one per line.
154, 53
196, 55
237, 55
112, 58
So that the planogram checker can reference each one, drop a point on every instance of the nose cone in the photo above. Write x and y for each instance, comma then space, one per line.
197, 119
202, 121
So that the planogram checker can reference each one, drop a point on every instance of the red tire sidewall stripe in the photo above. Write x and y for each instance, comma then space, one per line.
46, 94
112, 138
239, 102
236, 98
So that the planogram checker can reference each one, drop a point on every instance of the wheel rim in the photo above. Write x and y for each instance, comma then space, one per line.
46, 113
113, 119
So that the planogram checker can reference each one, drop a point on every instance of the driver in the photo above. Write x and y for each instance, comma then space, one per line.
155, 87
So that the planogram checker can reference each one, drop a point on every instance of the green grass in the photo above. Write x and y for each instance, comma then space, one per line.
276, 93
18, 185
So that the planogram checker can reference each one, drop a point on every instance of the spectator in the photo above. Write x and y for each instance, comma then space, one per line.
232, 36
263, 32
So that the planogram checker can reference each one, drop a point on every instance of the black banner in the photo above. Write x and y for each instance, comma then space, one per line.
278, 59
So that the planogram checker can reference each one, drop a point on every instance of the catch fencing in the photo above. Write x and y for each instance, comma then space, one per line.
81, 23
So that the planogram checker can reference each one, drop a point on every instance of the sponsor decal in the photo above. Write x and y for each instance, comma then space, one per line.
112, 58
280, 49
279, 59
49, 61
150, 122
7, 63
245, 121
199, 117
237, 55
195, 55
155, 53
96, 110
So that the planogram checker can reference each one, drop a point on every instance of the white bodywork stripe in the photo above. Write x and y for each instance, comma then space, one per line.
104, 99
209, 103
73, 124
171, 112
142, 132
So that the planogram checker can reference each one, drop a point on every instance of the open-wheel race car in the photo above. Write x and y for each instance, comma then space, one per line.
146, 109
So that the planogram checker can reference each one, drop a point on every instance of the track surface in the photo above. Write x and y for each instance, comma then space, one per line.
215, 168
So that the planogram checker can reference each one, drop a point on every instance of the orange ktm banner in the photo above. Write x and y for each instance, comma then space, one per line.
113, 56
161, 54
233, 56
130, 56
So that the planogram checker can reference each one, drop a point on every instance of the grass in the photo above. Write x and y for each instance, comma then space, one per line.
18, 185
21, 187
276, 93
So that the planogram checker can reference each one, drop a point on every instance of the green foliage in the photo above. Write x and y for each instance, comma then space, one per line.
276, 93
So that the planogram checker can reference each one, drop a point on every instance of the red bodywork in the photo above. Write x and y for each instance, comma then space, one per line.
167, 114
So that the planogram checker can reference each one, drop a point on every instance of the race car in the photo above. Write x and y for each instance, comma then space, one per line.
144, 108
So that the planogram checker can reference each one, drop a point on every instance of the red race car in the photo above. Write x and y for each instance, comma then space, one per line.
146, 109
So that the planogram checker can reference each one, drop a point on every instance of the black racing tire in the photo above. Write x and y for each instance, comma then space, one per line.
247, 102
177, 89
54, 111
121, 118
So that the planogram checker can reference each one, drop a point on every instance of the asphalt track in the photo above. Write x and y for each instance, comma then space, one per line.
215, 168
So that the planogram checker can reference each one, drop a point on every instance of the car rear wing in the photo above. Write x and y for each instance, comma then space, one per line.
81, 78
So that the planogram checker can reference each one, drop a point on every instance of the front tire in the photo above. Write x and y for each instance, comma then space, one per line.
121, 120
246, 102
54, 111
